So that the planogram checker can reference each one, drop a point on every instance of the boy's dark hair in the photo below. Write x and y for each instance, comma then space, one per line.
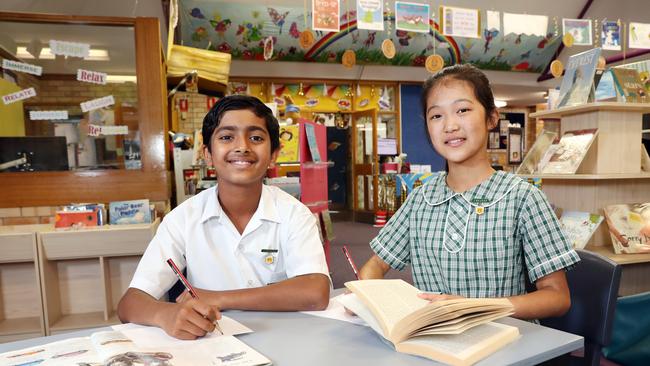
467, 73
239, 102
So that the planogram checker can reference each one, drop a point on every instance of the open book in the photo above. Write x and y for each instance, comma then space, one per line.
456, 332
113, 348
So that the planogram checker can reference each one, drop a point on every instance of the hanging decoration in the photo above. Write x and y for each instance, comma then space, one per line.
434, 62
387, 46
349, 59
268, 48
306, 37
557, 68
610, 35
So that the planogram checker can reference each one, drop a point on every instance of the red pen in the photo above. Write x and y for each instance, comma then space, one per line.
349, 258
187, 285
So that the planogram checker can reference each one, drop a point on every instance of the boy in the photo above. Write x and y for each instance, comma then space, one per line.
245, 245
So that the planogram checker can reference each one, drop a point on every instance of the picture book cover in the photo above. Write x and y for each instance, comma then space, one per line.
578, 78
129, 212
606, 89
312, 142
75, 219
629, 227
629, 85
289, 144
579, 226
570, 152
531, 163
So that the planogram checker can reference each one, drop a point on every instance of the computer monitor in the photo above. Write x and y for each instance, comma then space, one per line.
42, 153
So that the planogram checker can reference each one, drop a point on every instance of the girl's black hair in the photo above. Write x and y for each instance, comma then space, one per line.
467, 73
239, 102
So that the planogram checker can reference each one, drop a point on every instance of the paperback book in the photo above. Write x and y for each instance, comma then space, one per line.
579, 226
570, 151
578, 80
629, 227
456, 332
129, 212
629, 86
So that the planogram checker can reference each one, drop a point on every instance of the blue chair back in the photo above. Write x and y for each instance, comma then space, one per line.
594, 286
630, 343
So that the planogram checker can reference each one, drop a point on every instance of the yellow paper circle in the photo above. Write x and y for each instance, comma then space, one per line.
568, 40
306, 39
557, 68
388, 48
434, 63
349, 58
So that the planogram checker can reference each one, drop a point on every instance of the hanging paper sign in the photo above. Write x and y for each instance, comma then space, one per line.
534, 25
92, 77
388, 48
211, 101
73, 49
370, 14
412, 17
460, 22
95, 130
268, 48
434, 63
48, 115
610, 36
579, 29
639, 35
19, 95
326, 15
349, 58
97, 103
22, 67
493, 20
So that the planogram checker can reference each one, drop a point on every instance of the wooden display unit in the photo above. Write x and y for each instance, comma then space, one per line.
85, 272
609, 174
21, 306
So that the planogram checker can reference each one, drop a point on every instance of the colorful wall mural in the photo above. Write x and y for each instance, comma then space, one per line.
239, 29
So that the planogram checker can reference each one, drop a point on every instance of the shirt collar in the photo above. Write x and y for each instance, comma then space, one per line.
485, 193
266, 210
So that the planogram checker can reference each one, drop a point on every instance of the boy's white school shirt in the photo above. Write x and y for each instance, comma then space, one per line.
280, 241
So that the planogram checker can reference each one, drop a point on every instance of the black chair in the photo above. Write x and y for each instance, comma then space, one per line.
594, 287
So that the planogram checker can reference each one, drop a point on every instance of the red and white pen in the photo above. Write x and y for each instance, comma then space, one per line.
349, 258
188, 287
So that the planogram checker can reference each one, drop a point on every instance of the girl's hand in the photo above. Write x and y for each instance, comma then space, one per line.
438, 297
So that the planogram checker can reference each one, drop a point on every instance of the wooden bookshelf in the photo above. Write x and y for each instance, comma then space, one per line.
21, 307
85, 272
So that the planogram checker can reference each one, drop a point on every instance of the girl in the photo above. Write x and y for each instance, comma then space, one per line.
471, 231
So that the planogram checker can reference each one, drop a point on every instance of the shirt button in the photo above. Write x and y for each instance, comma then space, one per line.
455, 236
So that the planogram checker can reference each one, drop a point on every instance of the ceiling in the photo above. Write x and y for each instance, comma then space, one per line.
519, 89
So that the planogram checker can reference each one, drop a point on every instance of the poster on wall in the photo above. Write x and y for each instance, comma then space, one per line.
370, 14
534, 25
580, 29
460, 22
326, 15
610, 36
412, 17
639, 35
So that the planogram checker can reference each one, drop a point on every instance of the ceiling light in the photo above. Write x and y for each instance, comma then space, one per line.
500, 103
95, 54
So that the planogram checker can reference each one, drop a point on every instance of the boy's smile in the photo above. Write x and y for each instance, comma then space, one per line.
241, 149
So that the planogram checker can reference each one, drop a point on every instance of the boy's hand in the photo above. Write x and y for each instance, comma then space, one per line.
437, 297
190, 319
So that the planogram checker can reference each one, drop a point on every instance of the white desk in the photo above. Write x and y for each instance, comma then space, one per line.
298, 339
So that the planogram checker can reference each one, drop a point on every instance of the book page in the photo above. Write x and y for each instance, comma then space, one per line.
352, 302
336, 311
67, 352
389, 300
112, 345
230, 351
461, 349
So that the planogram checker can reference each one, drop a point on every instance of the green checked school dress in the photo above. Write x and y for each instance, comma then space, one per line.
479, 243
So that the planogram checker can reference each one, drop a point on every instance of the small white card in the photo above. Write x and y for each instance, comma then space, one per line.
22, 67
493, 20
94, 130
93, 77
97, 103
48, 115
73, 49
19, 95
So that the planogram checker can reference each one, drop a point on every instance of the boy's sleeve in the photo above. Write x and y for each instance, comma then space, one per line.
304, 250
392, 244
546, 247
153, 275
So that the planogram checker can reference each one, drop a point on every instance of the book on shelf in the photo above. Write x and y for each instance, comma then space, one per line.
578, 82
629, 227
531, 163
566, 156
606, 89
75, 219
629, 86
129, 212
115, 348
579, 226
289, 144
456, 332
312, 142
